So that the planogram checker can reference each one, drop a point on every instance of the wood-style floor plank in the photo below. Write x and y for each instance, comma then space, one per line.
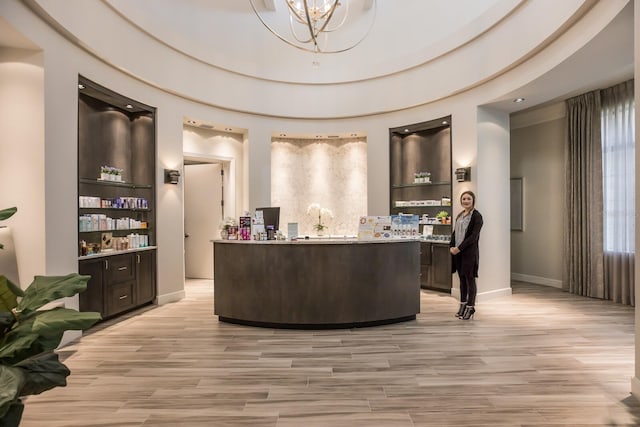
540, 357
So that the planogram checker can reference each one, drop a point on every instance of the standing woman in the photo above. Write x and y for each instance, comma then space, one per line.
465, 253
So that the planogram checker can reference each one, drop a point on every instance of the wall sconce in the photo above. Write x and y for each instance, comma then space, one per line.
171, 176
463, 174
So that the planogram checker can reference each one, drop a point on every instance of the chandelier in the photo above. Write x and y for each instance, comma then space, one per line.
307, 24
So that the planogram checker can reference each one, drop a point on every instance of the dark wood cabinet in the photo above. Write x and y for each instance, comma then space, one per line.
116, 200
420, 184
146, 276
441, 278
92, 299
435, 266
119, 282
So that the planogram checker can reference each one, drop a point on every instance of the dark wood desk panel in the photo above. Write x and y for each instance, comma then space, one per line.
310, 284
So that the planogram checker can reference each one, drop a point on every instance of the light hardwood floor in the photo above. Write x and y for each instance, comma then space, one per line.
540, 357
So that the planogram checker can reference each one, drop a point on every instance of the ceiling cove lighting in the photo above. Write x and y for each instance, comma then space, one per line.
307, 24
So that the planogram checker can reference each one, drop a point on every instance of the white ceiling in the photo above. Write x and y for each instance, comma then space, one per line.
421, 50
406, 35
606, 60
228, 35
11, 38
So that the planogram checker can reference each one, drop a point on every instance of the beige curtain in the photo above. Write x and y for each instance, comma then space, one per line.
618, 168
583, 244
619, 270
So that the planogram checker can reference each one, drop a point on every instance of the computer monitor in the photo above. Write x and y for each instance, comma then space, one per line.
271, 216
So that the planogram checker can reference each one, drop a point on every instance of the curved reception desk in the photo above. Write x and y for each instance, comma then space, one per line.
316, 284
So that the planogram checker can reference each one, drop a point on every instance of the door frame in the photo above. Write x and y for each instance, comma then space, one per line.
229, 192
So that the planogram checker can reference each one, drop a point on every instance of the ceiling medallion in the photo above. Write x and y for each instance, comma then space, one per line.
317, 26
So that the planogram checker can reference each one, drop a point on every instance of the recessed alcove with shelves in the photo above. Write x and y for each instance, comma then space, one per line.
421, 184
119, 134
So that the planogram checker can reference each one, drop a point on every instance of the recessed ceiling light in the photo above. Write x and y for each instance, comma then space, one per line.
129, 106
518, 100
444, 122
406, 130
80, 86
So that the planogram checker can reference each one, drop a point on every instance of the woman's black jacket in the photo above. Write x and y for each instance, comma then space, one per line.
466, 262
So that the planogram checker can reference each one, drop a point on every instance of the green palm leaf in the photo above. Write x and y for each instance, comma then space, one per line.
11, 382
42, 373
7, 213
45, 289
8, 294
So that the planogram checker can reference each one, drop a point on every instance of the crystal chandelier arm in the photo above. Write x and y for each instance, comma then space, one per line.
311, 32
328, 15
344, 18
294, 32
322, 16
296, 12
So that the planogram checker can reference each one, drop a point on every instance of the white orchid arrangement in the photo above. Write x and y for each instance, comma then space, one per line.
227, 222
315, 208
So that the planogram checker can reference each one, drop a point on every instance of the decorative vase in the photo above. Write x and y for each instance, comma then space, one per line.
224, 234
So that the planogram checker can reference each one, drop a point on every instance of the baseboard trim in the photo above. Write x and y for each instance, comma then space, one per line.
172, 297
537, 280
496, 293
484, 296
69, 337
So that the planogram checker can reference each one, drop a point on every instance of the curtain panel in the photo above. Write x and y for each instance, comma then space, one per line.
618, 168
583, 242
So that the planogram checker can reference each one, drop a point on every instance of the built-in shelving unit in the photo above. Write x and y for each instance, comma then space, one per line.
116, 213
420, 182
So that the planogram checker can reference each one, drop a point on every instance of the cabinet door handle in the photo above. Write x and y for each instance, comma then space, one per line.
122, 268
138, 258
106, 264
123, 297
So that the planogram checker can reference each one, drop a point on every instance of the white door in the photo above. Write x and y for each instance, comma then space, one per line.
202, 217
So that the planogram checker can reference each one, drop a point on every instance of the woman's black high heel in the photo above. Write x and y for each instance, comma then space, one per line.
460, 312
468, 313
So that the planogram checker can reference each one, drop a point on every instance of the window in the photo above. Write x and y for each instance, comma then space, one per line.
618, 168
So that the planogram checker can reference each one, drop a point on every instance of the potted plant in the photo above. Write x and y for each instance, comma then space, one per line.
442, 216
225, 227
29, 334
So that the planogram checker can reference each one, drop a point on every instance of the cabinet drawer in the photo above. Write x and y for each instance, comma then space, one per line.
120, 297
119, 269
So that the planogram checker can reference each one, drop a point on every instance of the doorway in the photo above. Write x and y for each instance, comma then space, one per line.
203, 213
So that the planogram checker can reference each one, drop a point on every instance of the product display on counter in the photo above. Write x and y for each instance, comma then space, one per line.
244, 229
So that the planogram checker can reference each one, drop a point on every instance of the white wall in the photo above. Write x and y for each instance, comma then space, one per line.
494, 203
22, 159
